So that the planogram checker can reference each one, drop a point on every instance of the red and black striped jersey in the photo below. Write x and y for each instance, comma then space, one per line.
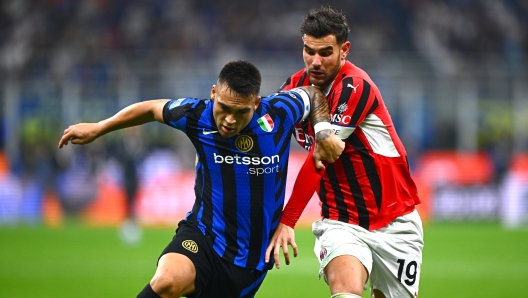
370, 184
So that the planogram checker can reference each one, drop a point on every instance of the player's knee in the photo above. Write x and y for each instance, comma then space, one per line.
345, 288
344, 284
164, 285
346, 274
167, 284
345, 295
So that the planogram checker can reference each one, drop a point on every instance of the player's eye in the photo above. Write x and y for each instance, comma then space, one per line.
242, 112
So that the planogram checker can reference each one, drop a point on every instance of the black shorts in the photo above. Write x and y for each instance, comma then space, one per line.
215, 277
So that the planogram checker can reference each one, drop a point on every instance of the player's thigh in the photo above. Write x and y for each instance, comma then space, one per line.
346, 274
178, 271
397, 257
335, 239
231, 280
191, 257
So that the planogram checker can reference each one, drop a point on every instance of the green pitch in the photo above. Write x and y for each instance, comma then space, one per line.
460, 260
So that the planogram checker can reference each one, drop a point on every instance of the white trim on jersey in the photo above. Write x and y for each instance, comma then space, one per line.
306, 99
378, 136
343, 132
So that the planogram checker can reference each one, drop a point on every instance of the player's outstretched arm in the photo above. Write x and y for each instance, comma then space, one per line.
283, 236
304, 187
132, 115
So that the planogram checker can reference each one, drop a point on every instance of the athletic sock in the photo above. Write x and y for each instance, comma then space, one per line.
148, 292
345, 295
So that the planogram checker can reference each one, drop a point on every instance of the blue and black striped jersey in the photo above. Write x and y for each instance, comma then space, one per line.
240, 181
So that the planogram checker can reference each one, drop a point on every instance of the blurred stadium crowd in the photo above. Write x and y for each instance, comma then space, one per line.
453, 73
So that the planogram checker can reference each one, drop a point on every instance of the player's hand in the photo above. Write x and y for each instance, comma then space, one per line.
283, 236
82, 133
327, 148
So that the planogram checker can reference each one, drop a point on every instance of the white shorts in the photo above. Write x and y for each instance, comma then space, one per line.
392, 255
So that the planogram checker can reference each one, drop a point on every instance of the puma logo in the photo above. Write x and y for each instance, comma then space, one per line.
353, 87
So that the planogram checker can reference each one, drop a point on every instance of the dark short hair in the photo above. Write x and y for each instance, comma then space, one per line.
241, 77
325, 21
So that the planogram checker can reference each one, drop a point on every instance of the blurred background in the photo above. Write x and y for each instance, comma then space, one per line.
453, 73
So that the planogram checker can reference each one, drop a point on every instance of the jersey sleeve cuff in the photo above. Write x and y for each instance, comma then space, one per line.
285, 219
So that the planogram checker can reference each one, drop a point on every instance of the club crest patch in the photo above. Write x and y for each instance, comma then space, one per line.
244, 143
323, 253
190, 246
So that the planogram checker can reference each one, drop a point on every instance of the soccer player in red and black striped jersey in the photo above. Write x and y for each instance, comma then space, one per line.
369, 226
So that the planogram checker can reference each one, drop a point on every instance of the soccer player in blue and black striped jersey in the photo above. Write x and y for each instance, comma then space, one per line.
242, 145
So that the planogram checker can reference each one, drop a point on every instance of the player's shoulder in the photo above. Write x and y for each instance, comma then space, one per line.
357, 74
187, 101
352, 77
287, 101
296, 93
188, 107
297, 79
299, 74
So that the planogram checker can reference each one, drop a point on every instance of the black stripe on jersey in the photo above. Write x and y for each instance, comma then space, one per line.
322, 197
294, 106
362, 103
229, 202
198, 188
203, 194
279, 138
346, 92
288, 81
305, 124
338, 193
357, 194
286, 139
283, 171
276, 216
301, 81
175, 114
370, 168
375, 104
256, 218
282, 117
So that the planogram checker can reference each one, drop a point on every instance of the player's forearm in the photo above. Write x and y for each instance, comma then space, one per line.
305, 186
319, 112
132, 115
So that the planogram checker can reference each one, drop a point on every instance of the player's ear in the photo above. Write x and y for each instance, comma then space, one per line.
345, 48
213, 92
257, 101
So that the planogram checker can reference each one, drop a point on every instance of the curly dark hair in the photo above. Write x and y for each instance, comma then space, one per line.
325, 21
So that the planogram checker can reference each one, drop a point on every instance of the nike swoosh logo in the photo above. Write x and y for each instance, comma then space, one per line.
208, 132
